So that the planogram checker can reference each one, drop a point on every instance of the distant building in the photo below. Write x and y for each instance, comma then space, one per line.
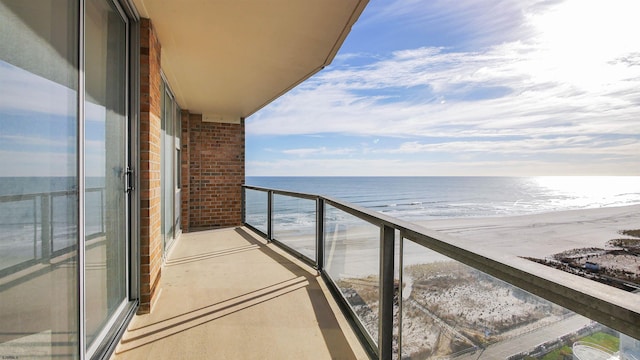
629, 350
589, 351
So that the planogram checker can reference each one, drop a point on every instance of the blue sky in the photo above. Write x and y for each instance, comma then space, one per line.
465, 88
38, 127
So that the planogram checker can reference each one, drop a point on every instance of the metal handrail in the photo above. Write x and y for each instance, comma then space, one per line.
31, 196
284, 192
612, 307
45, 224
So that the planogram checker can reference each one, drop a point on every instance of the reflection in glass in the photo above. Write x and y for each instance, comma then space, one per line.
178, 171
352, 253
294, 224
105, 164
450, 310
256, 209
38, 181
167, 177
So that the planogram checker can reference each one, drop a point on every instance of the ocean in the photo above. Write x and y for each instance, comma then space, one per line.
22, 202
427, 198
407, 198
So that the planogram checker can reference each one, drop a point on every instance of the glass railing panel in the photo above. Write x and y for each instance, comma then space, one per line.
450, 310
94, 216
20, 235
64, 234
294, 224
256, 208
352, 253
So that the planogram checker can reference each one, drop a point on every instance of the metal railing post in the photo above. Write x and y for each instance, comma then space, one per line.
595, 301
243, 199
269, 215
45, 227
35, 228
102, 219
320, 234
385, 319
400, 287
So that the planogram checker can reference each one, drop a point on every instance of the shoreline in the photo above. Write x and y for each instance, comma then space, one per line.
534, 235
451, 310
540, 235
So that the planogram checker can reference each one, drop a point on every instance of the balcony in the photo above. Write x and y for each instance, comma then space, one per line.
227, 294
338, 281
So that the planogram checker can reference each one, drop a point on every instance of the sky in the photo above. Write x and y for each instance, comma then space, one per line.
473, 88
38, 127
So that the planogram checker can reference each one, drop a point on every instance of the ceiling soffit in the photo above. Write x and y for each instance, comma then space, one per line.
230, 58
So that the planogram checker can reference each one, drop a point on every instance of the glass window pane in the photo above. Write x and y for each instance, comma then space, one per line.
178, 132
38, 179
168, 170
105, 143
178, 196
178, 170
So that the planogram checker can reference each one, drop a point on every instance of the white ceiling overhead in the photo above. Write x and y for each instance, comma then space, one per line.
226, 59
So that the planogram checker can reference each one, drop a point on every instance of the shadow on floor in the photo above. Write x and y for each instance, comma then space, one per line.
301, 278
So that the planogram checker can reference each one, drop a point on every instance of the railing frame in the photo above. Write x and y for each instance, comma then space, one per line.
320, 234
269, 215
614, 308
385, 318
46, 224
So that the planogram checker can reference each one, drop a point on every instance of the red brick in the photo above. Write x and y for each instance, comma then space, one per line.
215, 175
150, 114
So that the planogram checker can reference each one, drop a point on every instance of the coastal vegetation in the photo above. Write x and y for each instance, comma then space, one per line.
449, 308
601, 339
617, 265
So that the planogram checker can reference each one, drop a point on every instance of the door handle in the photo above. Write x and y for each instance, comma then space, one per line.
128, 176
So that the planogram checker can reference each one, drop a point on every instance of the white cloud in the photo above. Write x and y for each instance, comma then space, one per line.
541, 88
534, 102
577, 145
393, 167
318, 151
35, 140
563, 82
23, 91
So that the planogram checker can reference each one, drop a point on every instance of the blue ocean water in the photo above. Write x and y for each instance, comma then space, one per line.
425, 198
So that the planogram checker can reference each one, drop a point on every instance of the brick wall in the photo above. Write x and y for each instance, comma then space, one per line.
212, 168
150, 191
184, 171
215, 173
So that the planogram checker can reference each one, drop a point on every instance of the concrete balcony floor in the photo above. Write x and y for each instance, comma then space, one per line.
227, 294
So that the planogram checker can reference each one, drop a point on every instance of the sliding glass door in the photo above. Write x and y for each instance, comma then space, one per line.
39, 302
170, 167
105, 166
64, 202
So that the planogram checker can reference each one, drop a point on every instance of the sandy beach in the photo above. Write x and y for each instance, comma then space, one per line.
352, 250
451, 310
541, 235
